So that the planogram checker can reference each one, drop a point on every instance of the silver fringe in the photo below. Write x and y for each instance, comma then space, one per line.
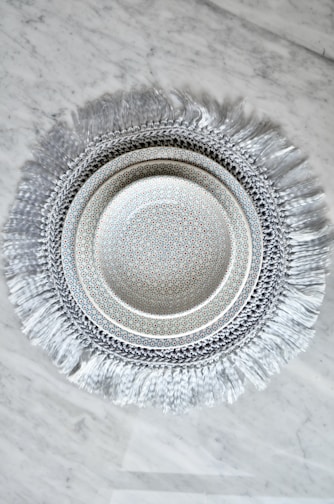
286, 331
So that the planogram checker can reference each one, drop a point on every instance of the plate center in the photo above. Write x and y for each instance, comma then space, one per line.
163, 245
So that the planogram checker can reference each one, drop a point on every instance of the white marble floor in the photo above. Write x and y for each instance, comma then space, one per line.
59, 445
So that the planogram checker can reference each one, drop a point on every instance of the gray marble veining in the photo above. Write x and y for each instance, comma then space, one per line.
314, 21
61, 445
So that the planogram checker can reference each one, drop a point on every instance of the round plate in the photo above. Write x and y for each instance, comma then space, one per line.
174, 300
163, 245
213, 217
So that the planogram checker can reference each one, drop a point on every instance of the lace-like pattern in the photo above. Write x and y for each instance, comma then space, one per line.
251, 177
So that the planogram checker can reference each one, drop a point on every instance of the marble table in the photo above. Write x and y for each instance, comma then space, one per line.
59, 445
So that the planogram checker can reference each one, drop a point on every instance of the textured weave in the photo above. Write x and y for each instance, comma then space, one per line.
274, 325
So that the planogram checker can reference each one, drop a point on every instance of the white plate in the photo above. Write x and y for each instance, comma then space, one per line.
130, 275
164, 245
205, 264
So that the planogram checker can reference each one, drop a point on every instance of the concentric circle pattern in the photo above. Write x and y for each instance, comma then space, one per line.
235, 218
267, 241
165, 254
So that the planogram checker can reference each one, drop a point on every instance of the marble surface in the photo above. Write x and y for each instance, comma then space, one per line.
59, 445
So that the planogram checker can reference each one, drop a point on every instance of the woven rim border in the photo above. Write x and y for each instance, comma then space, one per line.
285, 332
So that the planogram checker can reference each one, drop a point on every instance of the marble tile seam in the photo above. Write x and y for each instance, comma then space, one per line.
216, 485
210, 4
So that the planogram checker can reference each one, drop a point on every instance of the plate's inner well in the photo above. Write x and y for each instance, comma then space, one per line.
163, 245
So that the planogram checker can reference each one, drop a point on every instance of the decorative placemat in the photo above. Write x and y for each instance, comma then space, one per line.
165, 249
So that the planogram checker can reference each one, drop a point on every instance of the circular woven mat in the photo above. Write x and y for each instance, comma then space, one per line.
164, 249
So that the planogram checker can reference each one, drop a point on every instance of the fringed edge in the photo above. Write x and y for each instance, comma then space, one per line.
176, 388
